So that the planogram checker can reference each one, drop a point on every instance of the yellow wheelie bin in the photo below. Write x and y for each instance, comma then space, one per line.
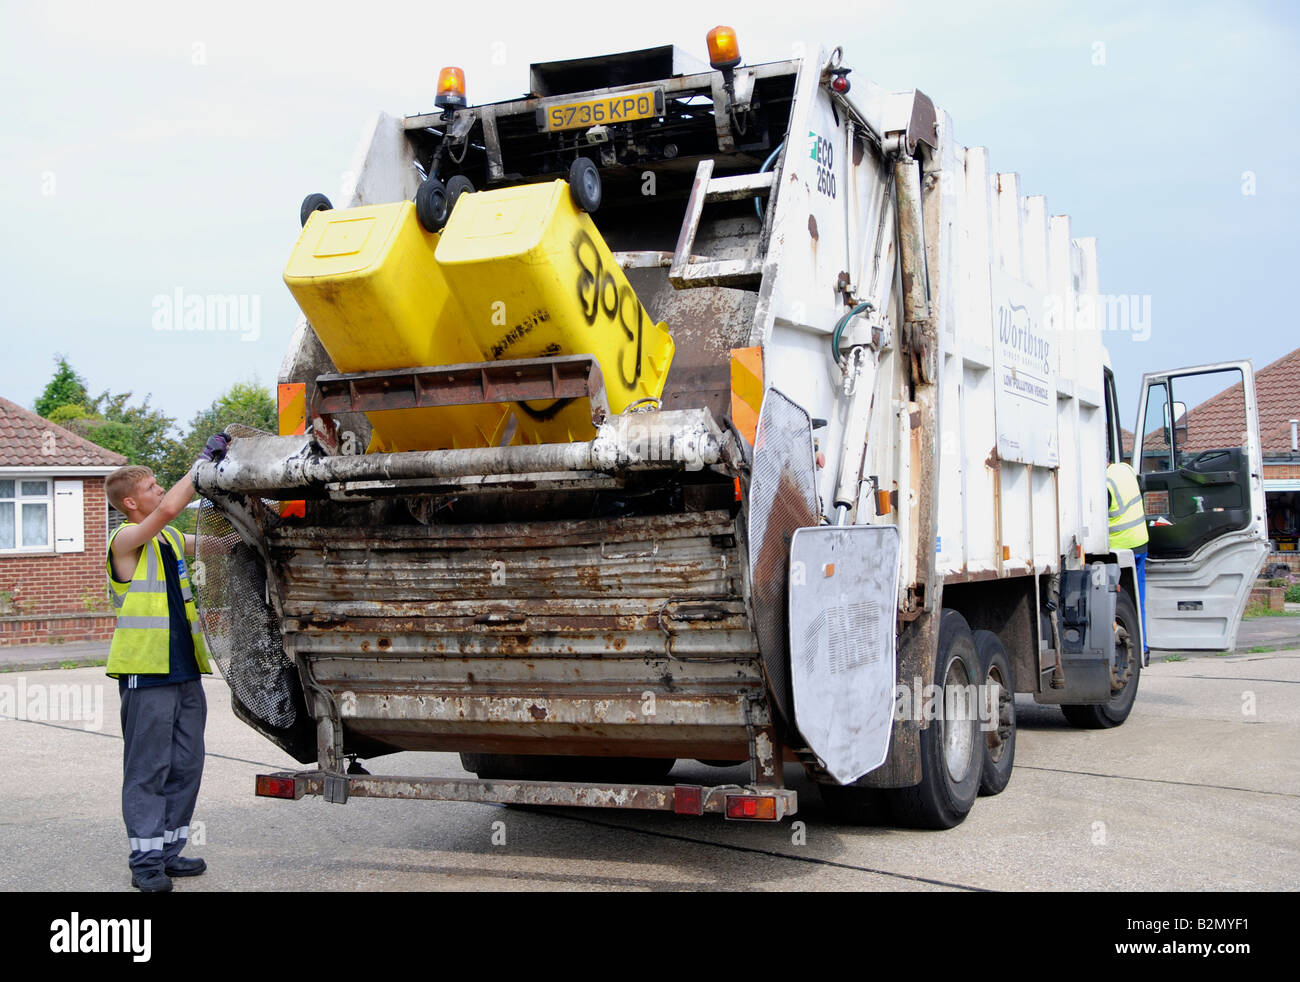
370, 285
534, 277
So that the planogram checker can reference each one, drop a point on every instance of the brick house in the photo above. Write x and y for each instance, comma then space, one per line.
53, 532
1278, 389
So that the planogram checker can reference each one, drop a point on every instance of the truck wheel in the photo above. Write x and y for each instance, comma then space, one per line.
311, 203
584, 184
431, 206
1123, 679
456, 186
951, 749
999, 716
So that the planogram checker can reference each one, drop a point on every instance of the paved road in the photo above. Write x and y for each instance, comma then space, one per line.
1199, 790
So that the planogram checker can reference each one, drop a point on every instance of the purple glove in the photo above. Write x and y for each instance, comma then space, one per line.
215, 448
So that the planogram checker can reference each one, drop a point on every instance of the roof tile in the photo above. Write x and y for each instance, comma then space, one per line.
28, 440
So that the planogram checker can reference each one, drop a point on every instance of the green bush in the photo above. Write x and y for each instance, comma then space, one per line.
1278, 581
1293, 594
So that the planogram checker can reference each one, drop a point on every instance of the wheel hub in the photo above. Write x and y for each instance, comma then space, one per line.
1000, 706
958, 723
1121, 669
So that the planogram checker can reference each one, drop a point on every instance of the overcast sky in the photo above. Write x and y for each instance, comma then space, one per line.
149, 149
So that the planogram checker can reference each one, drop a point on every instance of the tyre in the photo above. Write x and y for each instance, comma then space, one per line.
431, 205
999, 717
311, 203
951, 748
458, 185
584, 184
1123, 677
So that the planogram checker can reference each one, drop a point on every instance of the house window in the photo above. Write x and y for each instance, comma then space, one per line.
26, 506
115, 518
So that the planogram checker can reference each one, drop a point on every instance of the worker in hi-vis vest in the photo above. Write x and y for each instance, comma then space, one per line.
1128, 528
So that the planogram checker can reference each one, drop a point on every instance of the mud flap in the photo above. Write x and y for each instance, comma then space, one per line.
843, 607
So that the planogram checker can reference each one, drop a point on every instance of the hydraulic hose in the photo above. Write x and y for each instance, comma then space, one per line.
842, 324
758, 202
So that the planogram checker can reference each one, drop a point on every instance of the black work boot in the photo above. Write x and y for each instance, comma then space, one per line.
152, 880
181, 866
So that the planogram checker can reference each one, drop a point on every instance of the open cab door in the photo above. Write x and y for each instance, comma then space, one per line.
1197, 454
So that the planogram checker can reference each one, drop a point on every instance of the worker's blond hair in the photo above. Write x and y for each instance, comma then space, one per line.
123, 483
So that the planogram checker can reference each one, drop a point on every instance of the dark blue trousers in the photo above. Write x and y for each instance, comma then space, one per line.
162, 765
1140, 568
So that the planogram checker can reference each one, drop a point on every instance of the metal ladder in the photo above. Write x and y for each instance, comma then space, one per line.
688, 271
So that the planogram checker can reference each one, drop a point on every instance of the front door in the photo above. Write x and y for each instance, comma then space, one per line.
1198, 459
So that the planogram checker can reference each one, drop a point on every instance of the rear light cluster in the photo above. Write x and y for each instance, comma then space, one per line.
752, 808
688, 799
270, 786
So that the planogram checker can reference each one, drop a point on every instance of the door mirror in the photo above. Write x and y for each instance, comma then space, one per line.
1178, 428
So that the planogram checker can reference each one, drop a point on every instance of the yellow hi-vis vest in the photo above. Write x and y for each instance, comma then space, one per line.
142, 637
1128, 520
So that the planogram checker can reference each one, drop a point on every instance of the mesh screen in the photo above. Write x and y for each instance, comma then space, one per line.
239, 626
782, 498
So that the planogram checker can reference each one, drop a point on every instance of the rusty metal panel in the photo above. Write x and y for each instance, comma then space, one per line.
518, 380
544, 710
493, 637
459, 571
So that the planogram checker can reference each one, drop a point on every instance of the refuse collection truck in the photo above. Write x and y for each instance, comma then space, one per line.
725, 412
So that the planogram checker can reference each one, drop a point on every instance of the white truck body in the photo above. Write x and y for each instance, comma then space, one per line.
951, 461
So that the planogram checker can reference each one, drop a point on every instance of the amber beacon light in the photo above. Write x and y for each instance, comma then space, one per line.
451, 89
724, 48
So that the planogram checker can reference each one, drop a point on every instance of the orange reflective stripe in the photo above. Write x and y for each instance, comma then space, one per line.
746, 390
292, 400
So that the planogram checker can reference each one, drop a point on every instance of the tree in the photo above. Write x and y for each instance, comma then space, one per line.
246, 403
117, 437
150, 430
249, 403
66, 388
68, 412
140, 433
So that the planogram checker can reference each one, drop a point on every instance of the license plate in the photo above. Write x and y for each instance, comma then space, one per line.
620, 108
